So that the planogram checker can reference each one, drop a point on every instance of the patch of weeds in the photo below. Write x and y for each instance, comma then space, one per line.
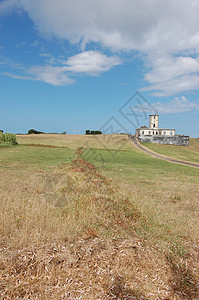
176, 198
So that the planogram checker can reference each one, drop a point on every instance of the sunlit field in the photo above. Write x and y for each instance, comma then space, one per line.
187, 153
110, 141
86, 219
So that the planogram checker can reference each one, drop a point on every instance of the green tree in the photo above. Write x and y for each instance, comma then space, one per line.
34, 131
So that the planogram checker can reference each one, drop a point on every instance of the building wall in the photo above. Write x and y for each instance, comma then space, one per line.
166, 132
180, 140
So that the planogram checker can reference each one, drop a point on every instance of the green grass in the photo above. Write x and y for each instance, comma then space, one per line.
22, 156
133, 164
167, 193
189, 153
5, 145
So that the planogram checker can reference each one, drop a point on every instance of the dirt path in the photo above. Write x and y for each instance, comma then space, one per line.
161, 156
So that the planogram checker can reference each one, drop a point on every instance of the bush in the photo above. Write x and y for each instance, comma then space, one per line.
93, 132
34, 131
8, 139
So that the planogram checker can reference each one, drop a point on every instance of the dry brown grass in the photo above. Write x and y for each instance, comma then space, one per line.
173, 204
71, 234
87, 269
108, 141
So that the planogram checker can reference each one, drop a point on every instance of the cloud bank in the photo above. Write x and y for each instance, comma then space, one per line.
144, 25
165, 32
177, 105
174, 106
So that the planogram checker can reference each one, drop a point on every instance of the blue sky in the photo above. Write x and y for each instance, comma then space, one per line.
71, 65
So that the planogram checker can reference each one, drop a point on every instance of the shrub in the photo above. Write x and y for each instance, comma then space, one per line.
34, 131
8, 139
93, 132
2, 139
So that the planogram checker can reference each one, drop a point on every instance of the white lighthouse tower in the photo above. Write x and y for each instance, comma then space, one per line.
154, 121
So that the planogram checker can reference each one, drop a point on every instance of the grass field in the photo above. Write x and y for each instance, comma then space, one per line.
166, 191
96, 223
188, 153
113, 141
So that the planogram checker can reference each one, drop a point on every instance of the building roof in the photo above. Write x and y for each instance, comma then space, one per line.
165, 129
153, 129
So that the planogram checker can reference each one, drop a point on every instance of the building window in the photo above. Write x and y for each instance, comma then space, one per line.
149, 132
142, 132
156, 132
171, 133
153, 132
153, 125
154, 117
164, 132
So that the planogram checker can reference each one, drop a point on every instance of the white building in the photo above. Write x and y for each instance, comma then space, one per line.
154, 129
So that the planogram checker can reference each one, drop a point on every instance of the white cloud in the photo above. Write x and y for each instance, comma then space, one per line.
174, 86
119, 24
8, 62
89, 62
172, 75
52, 75
166, 32
177, 105
167, 68
16, 76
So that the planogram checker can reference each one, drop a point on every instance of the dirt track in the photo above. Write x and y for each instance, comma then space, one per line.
157, 155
